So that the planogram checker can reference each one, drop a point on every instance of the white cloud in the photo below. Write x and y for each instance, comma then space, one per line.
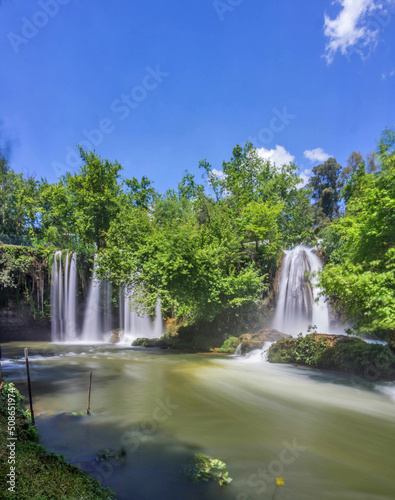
305, 177
352, 30
389, 74
278, 156
317, 154
218, 173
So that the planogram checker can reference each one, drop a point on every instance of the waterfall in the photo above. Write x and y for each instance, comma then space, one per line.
71, 309
107, 323
297, 303
92, 328
139, 325
237, 351
63, 298
56, 303
97, 318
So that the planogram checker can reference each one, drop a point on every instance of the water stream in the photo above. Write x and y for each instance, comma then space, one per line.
329, 436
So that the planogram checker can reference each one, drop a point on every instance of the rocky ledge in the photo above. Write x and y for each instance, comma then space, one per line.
251, 341
143, 342
336, 352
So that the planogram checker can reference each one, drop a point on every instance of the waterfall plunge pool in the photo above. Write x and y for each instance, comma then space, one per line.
327, 435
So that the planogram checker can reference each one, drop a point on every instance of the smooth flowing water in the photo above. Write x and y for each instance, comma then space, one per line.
329, 436
135, 324
64, 297
299, 303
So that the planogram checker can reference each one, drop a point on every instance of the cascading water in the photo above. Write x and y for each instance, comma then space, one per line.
135, 325
299, 303
97, 318
71, 309
56, 299
237, 351
92, 329
63, 298
107, 323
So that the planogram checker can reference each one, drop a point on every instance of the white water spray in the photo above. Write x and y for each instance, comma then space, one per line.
63, 298
299, 303
139, 325
92, 330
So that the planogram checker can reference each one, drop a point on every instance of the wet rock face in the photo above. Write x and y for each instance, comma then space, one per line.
17, 323
251, 341
115, 336
143, 342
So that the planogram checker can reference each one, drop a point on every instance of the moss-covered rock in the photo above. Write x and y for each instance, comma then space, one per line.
115, 336
336, 352
144, 342
249, 341
229, 346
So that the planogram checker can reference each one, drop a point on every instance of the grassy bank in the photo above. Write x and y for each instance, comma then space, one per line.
336, 352
28, 471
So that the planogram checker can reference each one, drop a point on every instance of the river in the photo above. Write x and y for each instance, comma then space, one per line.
328, 436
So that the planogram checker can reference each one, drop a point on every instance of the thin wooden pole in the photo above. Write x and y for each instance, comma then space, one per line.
88, 410
29, 384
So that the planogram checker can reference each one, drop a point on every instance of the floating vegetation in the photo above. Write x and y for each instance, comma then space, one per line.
206, 468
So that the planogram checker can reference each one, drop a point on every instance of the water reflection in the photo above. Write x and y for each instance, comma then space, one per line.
249, 414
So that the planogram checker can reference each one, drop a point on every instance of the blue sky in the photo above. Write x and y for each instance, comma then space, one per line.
303, 79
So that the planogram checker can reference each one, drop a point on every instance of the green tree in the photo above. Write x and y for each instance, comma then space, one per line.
359, 277
326, 190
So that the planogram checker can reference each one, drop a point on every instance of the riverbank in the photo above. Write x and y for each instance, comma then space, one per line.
336, 352
27, 471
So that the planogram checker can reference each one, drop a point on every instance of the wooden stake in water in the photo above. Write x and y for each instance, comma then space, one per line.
88, 410
29, 384
1, 373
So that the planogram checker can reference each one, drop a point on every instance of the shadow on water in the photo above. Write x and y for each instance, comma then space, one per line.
153, 466
244, 412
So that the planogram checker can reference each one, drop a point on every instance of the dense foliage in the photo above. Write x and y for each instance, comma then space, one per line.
347, 354
360, 273
210, 249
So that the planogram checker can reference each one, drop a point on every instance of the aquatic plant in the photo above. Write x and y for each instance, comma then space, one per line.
206, 468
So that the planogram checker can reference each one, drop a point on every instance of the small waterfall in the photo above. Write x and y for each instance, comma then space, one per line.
237, 351
297, 292
71, 309
107, 323
139, 325
92, 327
98, 314
56, 302
63, 298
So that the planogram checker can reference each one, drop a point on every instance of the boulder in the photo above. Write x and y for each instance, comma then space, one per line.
144, 342
115, 336
251, 341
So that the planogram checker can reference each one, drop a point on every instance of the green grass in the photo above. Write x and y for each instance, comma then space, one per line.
39, 475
